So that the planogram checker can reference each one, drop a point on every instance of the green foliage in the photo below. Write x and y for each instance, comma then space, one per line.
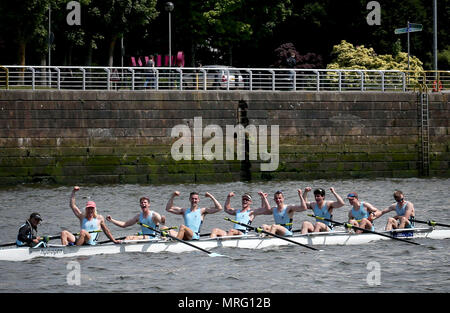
347, 56
249, 30
230, 22
444, 58
309, 60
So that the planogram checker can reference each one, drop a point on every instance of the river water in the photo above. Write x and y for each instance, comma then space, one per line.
383, 266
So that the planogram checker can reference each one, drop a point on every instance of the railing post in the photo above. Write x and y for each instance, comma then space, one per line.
318, 80
204, 79
228, 78
294, 80
181, 77
132, 78
382, 81
340, 80
33, 77
403, 81
273, 79
58, 76
108, 77
362, 80
83, 70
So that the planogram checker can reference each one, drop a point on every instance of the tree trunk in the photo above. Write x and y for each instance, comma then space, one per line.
230, 55
21, 60
89, 54
112, 45
21, 52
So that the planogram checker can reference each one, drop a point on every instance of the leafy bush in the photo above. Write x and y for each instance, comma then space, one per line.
348, 56
309, 60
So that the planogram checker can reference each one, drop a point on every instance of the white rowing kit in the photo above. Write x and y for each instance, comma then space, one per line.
251, 241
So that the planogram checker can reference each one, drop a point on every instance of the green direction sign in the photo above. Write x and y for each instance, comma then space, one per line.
415, 26
401, 31
412, 28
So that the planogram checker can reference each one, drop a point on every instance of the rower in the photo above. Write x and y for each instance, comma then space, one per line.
193, 216
321, 208
27, 235
405, 212
147, 217
283, 214
362, 213
244, 215
90, 221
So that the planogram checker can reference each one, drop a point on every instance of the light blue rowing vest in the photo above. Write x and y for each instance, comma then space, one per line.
147, 221
244, 218
324, 213
361, 213
401, 211
91, 225
193, 220
282, 218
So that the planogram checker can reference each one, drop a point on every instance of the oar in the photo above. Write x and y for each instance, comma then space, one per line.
136, 234
431, 223
259, 230
47, 238
348, 225
109, 240
164, 233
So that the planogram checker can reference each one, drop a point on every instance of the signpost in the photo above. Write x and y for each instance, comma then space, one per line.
410, 28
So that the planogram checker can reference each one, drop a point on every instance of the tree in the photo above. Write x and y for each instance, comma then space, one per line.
24, 21
307, 61
115, 18
234, 22
347, 56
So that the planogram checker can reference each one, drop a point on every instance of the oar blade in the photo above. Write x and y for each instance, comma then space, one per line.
213, 255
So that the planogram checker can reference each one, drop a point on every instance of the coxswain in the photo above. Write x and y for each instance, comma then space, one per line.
27, 235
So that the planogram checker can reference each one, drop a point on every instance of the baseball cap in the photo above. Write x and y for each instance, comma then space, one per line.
91, 204
246, 195
352, 195
36, 216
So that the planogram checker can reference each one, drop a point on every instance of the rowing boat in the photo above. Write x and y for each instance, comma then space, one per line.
245, 241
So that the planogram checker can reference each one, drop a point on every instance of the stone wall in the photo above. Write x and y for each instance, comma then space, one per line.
68, 137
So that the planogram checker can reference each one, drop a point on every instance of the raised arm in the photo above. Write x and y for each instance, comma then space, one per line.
227, 208
305, 197
339, 202
265, 206
217, 206
170, 207
73, 206
302, 206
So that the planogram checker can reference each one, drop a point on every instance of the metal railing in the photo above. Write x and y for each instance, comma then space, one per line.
217, 78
